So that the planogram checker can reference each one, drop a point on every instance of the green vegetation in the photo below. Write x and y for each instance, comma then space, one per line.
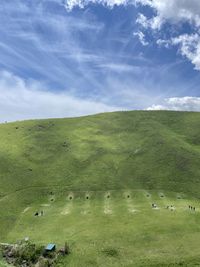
27, 254
3, 264
93, 180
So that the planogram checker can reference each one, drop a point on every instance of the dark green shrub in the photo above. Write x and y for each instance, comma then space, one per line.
27, 252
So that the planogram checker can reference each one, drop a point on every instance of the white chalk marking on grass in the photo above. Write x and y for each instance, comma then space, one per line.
68, 208
132, 210
45, 205
107, 205
130, 207
129, 203
107, 210
25, 210
66, 211
86, 206
85, 211
156, 208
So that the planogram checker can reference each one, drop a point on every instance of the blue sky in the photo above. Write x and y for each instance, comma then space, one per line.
70, 58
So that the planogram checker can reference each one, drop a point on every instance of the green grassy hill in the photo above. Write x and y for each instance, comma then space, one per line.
68, 167
148, 150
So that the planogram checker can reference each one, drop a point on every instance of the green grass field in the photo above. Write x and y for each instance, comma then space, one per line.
95, 179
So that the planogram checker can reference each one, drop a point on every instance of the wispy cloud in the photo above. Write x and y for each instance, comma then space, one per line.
119, 68
41, 42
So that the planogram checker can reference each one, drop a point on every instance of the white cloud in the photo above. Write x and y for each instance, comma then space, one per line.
178, 103
142, 20
141, 37
70, 4
175, 12
153, 23
20, 100
161, 42
189, 47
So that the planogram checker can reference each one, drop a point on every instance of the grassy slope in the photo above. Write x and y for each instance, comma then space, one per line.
157, 151
108, 151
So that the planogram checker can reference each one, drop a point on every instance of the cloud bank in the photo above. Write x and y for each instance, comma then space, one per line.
179, 104
21, 100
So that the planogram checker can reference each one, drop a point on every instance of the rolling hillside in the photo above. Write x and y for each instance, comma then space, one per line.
148, 150
95, 178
